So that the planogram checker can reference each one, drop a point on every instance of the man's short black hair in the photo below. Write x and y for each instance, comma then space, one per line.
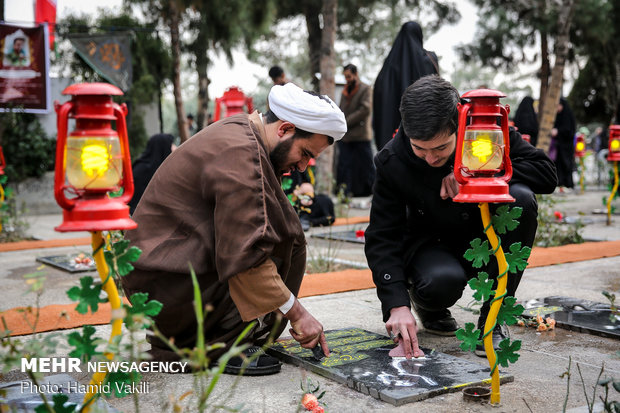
429, 108
275, 72
351, 67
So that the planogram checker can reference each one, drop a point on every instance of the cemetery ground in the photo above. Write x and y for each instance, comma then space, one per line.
539, 385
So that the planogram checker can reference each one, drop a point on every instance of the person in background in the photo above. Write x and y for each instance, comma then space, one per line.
355, 171
407, 62
314, 210
526, 119
417, 235
157, 150
191, 126
563, 132
277, 75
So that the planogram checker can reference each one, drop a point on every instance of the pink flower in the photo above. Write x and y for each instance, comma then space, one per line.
550, 322
309, 401
318, 409
542, 327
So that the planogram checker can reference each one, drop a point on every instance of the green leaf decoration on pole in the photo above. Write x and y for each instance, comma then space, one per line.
87, 295
121, 257
507, 352
479, 253
517, 257
482, 286
140, 306
506, 219
85, 345
121, 382
509, 311
469, 337
59, 405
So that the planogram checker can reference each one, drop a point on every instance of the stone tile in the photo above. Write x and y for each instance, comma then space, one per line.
360, 360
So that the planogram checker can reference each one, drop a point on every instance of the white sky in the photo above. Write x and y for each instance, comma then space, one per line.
244, 73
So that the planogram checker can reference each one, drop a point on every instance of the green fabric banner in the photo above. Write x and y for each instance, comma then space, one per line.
108, 54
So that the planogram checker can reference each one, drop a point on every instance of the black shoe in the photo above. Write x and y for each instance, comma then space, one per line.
437, 322
261, 363
500, 332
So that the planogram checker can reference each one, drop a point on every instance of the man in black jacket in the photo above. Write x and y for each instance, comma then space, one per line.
417, 235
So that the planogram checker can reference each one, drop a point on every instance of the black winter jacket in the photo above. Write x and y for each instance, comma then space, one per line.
407, 210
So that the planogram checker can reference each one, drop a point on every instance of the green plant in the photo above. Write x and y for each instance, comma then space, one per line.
343, 202
12, 226
615, 311
323, 260
27, 150
609, 406
552, 231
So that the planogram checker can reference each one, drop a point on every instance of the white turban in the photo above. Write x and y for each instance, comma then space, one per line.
306, 111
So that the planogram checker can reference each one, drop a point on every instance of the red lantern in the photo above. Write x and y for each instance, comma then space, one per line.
93, 160
580, 145
482, 149
2, 162
614, 143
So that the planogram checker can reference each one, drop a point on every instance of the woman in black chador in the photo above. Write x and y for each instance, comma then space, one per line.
407, 62
526, 119
563, 131
157, 150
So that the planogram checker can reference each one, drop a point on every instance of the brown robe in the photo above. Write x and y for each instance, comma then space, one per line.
216, 204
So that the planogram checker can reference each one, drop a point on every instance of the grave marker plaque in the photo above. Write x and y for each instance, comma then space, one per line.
360, 359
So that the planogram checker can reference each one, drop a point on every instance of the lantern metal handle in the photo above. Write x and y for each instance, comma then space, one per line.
121, 111
61, 140
507, 163
463, 111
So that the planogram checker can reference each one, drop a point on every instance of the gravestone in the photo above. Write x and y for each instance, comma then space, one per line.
576, 314
348, 236
71, 263
23, 396
360, 359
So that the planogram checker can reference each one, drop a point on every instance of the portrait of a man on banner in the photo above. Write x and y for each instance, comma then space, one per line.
16, 50
24, 68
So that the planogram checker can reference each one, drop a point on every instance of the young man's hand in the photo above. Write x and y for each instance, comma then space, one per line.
402, 326
449, 187
305, 328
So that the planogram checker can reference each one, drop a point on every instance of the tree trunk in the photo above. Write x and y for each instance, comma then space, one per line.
325, 163
557, 74
176, 62
544, 73
202, 64
313, 26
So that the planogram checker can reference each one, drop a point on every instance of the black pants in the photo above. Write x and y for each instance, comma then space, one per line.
438, 275
355, 168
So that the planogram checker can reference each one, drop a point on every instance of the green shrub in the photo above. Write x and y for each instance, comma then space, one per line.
28, 152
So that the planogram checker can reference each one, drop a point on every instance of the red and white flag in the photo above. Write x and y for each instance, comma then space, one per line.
45, 12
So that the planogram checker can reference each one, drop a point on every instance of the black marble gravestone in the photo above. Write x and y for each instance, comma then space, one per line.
576, 314
360, 359
349, 236
68, 262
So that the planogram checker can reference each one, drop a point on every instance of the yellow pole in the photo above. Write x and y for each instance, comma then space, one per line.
581, 174
496, 303
1, 202
613, 193
115, 303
